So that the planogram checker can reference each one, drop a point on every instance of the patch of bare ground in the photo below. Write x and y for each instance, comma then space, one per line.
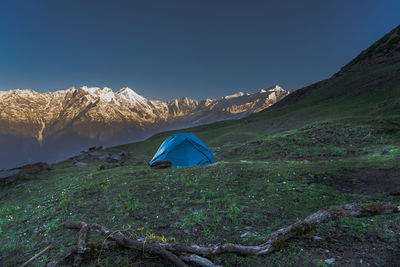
374, 249
369, 181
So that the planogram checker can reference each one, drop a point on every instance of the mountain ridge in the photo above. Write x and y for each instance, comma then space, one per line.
89, 116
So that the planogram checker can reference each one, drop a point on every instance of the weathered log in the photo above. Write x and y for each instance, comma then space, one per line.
177, 253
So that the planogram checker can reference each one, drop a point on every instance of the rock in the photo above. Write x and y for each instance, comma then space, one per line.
330, 261
95, 154
245, 235
317, 238
82, 157
116, 157
7, 176
103, 157
161, 164
215, 149
385, 151
34, 168
109, 165
80, 164
125, 156
94, 148
306, 161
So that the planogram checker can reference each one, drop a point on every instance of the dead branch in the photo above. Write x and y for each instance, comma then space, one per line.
180, 253
36, 256
92, 248
62, 256
200, 261
149, 247
81, 245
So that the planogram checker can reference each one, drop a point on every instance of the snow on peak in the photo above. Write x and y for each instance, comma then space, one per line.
271, 89
234, 95
105, 94
129, 95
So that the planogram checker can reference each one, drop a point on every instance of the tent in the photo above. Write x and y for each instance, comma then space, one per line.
184, 149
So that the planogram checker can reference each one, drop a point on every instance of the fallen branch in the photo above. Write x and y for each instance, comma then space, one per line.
92, 248
81, 245
62, 256
35, 257
180, 253
150, 247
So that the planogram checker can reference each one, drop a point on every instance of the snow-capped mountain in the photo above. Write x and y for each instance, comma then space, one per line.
45, 126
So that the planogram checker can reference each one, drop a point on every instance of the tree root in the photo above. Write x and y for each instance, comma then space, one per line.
178, 254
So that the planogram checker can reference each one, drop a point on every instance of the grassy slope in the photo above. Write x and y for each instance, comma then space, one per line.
273, 168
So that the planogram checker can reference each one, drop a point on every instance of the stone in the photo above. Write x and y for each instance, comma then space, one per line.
80, 164
109, 165
34, 168
245, 235
7, 176
317, 238
215, 149
95, 154
103, 157
330, 261
116, 157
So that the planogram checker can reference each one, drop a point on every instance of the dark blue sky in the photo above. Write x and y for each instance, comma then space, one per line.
167, 49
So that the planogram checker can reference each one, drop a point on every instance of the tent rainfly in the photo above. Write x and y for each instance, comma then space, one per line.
184, 149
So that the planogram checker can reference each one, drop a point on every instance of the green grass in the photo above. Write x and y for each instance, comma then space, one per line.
272, 168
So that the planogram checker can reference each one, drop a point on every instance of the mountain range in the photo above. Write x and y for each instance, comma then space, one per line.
50, 126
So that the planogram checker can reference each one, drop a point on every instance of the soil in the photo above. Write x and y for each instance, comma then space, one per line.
350, 250
369, 181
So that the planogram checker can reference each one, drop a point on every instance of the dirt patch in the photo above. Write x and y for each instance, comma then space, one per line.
369, 181
350, 250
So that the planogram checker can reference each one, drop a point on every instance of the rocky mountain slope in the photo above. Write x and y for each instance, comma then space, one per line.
37, 126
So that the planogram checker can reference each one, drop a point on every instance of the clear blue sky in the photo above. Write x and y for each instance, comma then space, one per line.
167, 49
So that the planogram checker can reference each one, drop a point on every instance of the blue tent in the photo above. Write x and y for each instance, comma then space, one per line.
184, 149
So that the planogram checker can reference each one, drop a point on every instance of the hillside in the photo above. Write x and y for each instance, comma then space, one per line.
332, 143
54, 125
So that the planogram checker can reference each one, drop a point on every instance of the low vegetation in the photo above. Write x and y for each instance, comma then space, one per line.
332, 143
254, 188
